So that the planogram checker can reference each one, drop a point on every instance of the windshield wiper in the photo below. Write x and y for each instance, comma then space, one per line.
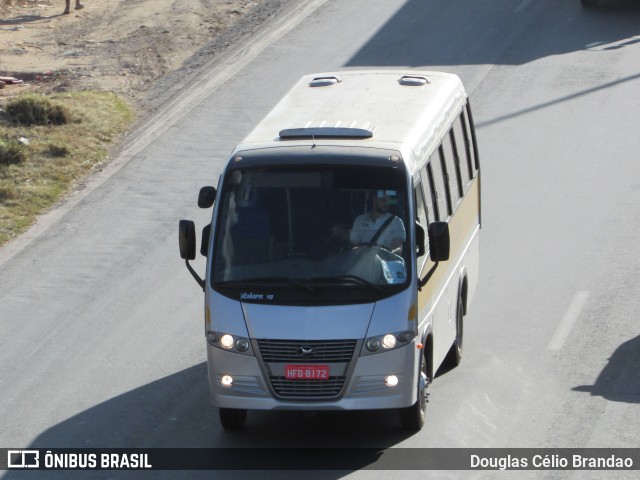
265, 281
354, 279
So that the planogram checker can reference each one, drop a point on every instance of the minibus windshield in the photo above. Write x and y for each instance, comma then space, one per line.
312, 229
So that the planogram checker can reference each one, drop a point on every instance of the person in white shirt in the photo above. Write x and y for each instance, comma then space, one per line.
366, 226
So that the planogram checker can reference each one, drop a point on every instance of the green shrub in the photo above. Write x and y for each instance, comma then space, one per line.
11, 152
8, 193
34, 109
56, 150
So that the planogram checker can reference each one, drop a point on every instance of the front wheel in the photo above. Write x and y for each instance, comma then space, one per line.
413, 417
232, 418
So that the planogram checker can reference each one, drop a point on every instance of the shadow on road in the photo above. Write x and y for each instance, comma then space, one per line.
420, 34
20, 19
619, 381
174, 412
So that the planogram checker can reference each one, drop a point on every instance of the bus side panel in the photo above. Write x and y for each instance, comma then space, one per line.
440, 295
472, 267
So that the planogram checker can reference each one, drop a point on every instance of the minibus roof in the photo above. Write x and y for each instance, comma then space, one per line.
394, 109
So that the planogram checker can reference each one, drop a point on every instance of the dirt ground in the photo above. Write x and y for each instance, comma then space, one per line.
137, 49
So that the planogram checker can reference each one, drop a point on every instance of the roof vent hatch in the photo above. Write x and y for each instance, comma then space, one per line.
324, 81
414, 81
325, 132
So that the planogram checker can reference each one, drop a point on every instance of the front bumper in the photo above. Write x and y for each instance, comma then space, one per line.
364, 384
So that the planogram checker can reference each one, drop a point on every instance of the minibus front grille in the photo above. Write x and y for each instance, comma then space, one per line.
307, 351
307, 389
276, 354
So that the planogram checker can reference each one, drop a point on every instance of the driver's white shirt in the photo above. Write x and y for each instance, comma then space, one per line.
364, 228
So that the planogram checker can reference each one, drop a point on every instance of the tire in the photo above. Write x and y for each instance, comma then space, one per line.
454, 357
232, 418
412, 418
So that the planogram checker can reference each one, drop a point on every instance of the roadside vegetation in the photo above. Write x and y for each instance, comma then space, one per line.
49, 144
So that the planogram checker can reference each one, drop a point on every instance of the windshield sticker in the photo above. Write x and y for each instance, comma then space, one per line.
256, 296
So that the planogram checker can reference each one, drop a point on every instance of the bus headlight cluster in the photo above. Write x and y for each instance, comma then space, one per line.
389, 341
384, 343
231, 343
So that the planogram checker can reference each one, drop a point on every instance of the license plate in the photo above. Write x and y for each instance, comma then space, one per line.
306, 372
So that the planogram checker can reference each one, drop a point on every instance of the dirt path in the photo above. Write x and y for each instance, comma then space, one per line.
123, 46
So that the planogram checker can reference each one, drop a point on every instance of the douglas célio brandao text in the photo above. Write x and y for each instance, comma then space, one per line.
550, 461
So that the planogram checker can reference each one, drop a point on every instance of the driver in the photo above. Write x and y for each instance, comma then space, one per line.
366, 227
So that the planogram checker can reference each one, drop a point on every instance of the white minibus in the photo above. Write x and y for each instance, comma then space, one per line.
342, 255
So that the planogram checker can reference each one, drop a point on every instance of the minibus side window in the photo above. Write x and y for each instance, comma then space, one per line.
452, 171
422, 216
439, 185
461, 144
467, 123
429, 193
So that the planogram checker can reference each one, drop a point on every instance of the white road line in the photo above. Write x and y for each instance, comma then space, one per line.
568, 320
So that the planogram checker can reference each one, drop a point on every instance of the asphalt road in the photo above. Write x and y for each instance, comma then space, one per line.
101, 326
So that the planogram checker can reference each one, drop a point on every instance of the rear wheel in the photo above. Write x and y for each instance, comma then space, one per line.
232, 418
454, 357
413, 417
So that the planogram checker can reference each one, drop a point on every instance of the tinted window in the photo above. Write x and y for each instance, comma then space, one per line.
467, 122
452, 172
302, 232
462, 147
421, 207
422, 217
440, 190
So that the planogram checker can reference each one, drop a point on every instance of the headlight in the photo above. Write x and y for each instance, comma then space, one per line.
373, 344
242, 345
388, 342
391, 381
228, 342
405, 337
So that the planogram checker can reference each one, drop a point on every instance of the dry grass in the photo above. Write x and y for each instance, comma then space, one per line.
6, 5
10, 3
45, 161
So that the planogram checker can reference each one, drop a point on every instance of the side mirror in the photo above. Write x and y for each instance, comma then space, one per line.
439, 241
207, 197
204, 246
187, 239
419, 239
